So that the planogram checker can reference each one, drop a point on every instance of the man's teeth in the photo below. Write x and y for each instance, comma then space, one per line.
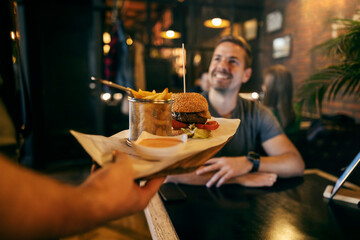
220, 75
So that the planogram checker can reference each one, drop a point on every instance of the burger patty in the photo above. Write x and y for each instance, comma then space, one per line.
190, 117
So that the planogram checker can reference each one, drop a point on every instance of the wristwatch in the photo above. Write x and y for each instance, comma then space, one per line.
255, 159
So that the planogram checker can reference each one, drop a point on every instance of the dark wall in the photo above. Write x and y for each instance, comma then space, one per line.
158, 74
58, 42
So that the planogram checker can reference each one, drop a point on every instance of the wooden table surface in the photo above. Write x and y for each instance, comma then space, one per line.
293, 208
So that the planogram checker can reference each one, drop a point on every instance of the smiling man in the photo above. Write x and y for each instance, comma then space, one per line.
239, 161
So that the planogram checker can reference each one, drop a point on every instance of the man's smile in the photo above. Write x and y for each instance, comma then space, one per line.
221, 76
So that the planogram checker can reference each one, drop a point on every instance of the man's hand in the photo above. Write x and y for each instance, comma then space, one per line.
257, 179
115, 190
225, 168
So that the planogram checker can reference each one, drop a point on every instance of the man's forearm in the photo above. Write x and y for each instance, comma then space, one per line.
38, 205
284, 159
189, 178
285, 165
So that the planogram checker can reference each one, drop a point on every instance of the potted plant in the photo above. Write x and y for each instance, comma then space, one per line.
340, 78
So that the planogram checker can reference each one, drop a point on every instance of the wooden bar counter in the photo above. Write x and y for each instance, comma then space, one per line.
293, 208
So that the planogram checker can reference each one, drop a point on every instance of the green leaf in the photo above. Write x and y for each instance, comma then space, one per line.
343, 77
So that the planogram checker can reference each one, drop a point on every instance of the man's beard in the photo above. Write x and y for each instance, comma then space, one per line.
225, 89
221, 90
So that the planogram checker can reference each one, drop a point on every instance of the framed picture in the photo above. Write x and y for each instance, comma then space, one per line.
274, 21
281, 47
251, 27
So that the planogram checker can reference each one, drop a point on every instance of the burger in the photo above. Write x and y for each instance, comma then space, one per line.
190, 115
190, 108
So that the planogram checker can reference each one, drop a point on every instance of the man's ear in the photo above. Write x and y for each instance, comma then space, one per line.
247, 75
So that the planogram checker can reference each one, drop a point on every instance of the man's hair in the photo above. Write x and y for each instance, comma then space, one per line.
240, 42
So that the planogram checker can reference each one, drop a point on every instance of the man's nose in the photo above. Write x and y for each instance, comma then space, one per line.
224, 65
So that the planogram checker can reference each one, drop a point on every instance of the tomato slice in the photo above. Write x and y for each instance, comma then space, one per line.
199, 125
209, 125
178, 125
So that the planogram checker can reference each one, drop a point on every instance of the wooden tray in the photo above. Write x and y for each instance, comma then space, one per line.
188, 164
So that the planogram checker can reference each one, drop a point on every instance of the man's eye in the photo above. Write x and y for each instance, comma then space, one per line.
233, 62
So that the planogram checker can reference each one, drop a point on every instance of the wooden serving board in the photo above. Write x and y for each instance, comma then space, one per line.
188, 164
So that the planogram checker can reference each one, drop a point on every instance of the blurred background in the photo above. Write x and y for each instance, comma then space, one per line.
64, 43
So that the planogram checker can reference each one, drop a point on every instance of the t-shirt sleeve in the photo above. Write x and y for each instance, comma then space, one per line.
268, 125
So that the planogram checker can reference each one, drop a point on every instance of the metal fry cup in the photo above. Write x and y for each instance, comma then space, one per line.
152, 116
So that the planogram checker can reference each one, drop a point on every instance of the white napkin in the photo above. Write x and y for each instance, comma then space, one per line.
100, 148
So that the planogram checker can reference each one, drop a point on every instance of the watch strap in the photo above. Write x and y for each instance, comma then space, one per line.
255, 159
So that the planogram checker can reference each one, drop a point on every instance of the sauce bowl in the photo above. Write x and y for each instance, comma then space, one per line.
153, 147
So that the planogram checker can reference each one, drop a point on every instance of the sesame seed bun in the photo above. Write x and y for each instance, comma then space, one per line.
191, 103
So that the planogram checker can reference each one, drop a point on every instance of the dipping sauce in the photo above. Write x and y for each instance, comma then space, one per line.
160, 142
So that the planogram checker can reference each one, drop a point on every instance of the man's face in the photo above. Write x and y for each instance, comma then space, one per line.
227, 68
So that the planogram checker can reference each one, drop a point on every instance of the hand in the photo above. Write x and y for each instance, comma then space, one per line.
257, 179
226, 167
114, 191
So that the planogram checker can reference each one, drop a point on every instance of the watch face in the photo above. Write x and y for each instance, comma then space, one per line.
254, 155
274, 21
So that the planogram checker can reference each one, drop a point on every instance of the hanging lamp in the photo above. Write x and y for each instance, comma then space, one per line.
216, 23
170, 34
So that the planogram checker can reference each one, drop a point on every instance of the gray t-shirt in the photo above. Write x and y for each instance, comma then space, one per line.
257, 125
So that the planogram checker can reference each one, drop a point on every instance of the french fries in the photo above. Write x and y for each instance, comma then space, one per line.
164, 95
151, 116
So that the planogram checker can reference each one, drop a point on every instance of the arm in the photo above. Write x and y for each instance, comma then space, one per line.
283, 157
284, 160
189, 178
40, 207
258, 179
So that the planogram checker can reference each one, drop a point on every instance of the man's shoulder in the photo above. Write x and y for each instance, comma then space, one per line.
250, 105
255, 112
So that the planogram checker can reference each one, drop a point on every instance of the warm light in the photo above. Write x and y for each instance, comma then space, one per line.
106, 38
105, 96
217, 23
255, 95
170, 34
180, 71
129, 41
118, 96
106, 49
197, 59
12, 35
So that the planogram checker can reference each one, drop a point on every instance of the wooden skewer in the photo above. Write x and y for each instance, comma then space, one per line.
183, 53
